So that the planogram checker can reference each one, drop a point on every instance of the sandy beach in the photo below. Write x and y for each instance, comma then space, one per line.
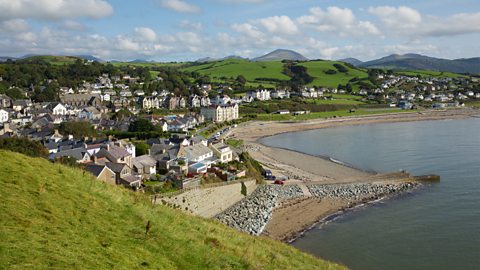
294, 216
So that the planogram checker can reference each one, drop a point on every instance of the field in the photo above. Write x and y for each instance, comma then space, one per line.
54, 60
56, 217
317, 70
252, 71
428, 73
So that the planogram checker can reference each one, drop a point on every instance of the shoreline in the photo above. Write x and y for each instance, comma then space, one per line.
292, 218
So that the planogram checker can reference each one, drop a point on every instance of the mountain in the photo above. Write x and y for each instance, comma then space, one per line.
281, 54
211, 59
421, 62
90, 58
352, 61
58, 217
5, 58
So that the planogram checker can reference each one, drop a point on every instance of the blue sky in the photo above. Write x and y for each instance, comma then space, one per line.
178, 30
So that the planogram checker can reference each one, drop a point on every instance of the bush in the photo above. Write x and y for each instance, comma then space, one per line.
24, 146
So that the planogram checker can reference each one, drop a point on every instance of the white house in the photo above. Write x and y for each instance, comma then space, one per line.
59, 109
3, 116
260, 94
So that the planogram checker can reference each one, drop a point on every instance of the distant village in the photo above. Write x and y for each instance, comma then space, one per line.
183, 155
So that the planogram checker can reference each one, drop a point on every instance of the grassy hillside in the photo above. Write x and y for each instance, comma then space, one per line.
54, 217
317, 70
252, 71
54, 60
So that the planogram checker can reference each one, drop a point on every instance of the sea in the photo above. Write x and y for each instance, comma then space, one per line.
435, 227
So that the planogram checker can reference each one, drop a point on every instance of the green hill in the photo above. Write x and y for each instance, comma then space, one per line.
56, 217
319, 69
258, 73
254, 72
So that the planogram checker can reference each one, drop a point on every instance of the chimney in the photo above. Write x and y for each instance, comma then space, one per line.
149, 152
94, 159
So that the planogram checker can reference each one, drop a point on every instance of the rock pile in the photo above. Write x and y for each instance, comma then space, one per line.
358, 191
253, 212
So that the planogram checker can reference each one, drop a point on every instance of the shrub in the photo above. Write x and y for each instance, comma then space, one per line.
24, 146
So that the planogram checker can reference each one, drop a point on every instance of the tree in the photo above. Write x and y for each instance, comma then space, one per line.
14, 93
141, 125
24, 146
79, 129
141, 148
241, 80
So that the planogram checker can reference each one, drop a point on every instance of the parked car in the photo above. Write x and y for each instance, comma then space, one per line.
278, 182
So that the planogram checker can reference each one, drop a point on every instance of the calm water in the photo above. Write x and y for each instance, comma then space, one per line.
435, 228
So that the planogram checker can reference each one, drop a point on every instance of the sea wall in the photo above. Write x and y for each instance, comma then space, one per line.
360, 191
210, 201
252, 213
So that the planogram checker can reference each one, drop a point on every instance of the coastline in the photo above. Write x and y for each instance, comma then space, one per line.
291, 218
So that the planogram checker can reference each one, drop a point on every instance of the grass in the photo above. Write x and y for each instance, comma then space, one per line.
474, 104
429, 73
319, 115
317, 70
55, 217
232, 68
234, 143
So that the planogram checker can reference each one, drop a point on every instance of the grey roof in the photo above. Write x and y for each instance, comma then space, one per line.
197, 150
143, 161
77, 153
116, 167
95, 169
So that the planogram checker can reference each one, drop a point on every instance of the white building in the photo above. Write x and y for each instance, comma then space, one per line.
3, 116
150, 103
59, 109
220, 113
260, 94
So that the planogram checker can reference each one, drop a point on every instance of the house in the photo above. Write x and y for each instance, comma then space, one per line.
197, 168
58, 109
22, 105
196, 153
79, 100
124, 176
280, 94
172, 102
150, 103
220, 113
259, 94
139, 93
125, 93
5, 101
222, 100
222, 152
79, 154
195, 101
177, 126
182, 102
115, 154
3, 116
90, 113
102, 172
145, 165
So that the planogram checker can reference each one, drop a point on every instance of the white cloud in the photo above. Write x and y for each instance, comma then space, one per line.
180, 6
399, 18
279, 25
457, 24
54, 9
243, 1
190, 25
74, 26
337, 20
14, 25
145, 33
249, 30
124, 43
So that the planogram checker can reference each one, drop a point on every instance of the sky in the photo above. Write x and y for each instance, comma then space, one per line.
186, 30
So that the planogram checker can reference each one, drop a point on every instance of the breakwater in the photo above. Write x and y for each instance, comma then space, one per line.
252, 214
